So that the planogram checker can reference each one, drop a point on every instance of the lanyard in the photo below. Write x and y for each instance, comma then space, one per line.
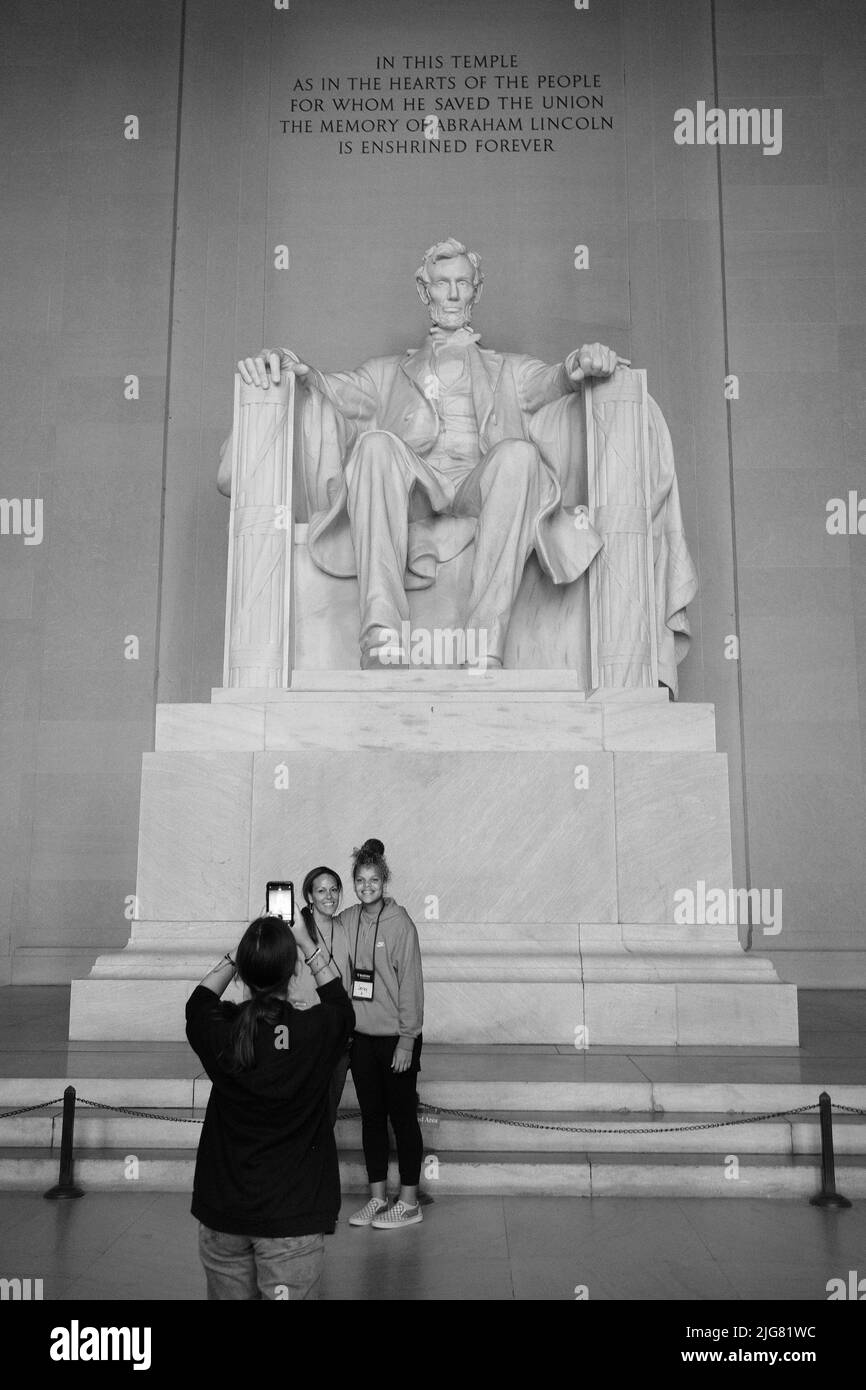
375, 940
330, 943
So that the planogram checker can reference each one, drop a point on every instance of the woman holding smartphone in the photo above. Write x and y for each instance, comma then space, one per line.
386, 985
267, 1183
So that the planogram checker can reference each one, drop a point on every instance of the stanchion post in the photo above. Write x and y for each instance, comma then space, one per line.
65, 1186
828, 1196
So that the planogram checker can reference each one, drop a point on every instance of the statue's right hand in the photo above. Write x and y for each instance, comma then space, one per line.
264, 369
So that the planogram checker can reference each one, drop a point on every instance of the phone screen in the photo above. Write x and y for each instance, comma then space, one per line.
280, 901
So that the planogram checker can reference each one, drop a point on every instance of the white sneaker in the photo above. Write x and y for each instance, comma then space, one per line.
368, 1211
399, 1215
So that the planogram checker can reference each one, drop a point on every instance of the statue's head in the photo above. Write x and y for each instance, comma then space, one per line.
449, 281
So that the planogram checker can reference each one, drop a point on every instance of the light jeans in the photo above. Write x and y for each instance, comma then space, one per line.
261, 1267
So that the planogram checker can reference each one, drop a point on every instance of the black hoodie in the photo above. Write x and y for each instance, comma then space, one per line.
267, 1160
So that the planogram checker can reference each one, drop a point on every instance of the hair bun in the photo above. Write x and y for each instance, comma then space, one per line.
373, 846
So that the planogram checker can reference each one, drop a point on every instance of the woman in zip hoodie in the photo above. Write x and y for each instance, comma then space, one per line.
386, 986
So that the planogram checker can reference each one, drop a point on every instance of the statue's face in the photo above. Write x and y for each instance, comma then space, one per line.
451, 292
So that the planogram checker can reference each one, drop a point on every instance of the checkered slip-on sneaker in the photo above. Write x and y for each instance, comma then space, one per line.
368, 1212
399, 1215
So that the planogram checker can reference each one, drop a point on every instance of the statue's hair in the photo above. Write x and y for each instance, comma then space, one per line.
446, 251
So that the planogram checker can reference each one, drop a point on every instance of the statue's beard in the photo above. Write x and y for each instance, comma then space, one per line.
444, 317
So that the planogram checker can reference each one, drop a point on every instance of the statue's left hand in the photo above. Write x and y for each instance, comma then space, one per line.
593, 359
264, 369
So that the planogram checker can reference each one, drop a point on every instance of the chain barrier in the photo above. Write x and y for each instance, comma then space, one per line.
465, 1115
621, 1129
26, 1109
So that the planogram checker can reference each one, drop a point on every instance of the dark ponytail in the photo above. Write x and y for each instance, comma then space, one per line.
310, 920
266, 959
371, 853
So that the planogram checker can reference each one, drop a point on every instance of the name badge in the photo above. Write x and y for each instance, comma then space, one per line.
362, 984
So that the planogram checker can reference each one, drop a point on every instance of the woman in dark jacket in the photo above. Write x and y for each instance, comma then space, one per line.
267, 1187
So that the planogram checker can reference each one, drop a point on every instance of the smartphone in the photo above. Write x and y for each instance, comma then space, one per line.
280, 901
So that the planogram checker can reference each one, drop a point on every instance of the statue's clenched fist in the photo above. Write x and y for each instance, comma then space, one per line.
266, 368
593, 359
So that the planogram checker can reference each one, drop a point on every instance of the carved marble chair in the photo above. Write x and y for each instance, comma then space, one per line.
284, 613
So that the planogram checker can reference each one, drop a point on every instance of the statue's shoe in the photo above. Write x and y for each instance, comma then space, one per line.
485, 663
385, 658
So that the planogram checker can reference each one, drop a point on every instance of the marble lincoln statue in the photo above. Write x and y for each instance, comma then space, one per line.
410, 458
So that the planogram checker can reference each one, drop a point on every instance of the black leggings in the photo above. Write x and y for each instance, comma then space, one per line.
335, 1090
385, 1095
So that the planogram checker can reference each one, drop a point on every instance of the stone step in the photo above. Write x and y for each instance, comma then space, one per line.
778, 1156
626, 1002
504, 966
425, 679
447, 936
576, 1174
422, 719
504, 1131
534, 1080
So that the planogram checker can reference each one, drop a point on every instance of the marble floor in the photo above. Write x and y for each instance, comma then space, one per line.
140, 1246
135, 1246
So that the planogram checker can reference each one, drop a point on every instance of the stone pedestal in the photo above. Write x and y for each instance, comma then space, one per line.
537, 836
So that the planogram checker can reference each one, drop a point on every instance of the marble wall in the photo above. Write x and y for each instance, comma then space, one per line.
135, 532
796, 338
84, 301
